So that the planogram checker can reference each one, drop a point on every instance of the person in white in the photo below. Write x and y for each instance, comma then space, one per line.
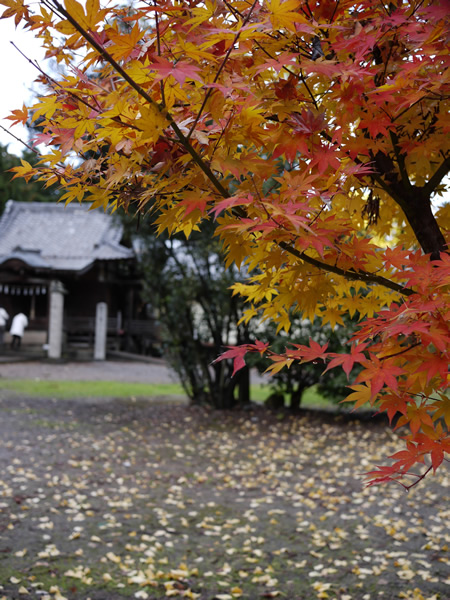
3, 320
18, 325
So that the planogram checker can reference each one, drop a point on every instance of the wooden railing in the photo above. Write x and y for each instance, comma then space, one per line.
85, 326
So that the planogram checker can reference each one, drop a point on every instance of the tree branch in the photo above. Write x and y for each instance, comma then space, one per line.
419, 478
437, 176
400, 159
19, 140
349, 274
375, 177
401, 351
109, 59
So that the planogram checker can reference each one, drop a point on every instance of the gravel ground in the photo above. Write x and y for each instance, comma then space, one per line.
110, 370
127, 371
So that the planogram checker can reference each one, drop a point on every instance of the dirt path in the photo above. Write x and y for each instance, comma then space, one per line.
126, 371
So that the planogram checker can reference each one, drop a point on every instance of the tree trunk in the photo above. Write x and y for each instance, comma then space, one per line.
414, 201
296, 398
226, 395
417, 209
244, 386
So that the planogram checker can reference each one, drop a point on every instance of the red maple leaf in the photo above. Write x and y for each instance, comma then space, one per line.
282, 60
307, 122
324, 157
228, 203
290, 146
309, 353
193, 202
392, 404
348, 360
237, 353
437, 364
180, 71
380, 373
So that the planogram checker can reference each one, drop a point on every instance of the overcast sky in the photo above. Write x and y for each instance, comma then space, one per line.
17, 76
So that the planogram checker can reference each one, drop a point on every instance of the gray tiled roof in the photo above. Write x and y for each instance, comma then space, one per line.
50, 235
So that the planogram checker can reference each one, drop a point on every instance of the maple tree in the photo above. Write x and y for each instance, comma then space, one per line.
314, 133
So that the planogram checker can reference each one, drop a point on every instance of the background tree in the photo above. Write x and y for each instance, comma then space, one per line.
188, 288
294, 381
18, 189
189, 110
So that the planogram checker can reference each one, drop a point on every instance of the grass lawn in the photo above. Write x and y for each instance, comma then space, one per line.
107, 389
84, 389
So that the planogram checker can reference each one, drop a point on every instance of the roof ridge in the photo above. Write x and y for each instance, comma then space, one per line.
64, 238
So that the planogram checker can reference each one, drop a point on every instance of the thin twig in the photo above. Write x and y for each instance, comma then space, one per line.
334, 11
416, 8
141, 92
303, 79
222, 133
391, 49
20, 141
408, 487
219, 71
158, 45
71, 93
401, 351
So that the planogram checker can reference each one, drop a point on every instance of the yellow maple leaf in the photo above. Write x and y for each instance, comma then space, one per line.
332, 316
123, 43
360, 396
16, 8
283, 14
93, 13
442, 409
202, 13
276, 367
76, 10
151, 122
26, 170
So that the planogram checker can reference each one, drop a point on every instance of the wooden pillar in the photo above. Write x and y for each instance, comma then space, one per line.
129, 314
32, 305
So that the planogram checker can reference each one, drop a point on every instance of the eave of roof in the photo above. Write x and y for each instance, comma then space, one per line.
32, 259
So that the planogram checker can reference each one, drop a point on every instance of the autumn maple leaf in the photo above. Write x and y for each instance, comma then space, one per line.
394, 403
348, 360
19, 116
309, 353
237, 354
361, 395
379, 373
180, 70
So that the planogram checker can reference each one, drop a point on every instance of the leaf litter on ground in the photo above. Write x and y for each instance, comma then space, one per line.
134, 499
